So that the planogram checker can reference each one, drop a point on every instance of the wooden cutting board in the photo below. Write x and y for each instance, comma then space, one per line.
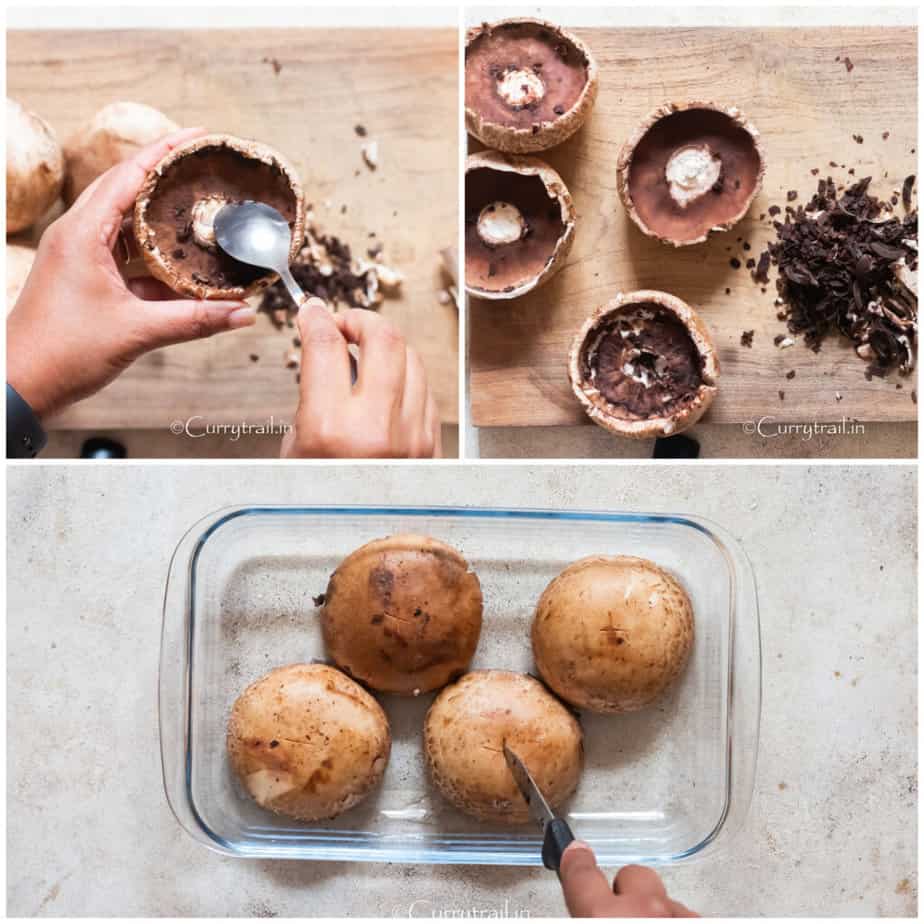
807, 107
401, 84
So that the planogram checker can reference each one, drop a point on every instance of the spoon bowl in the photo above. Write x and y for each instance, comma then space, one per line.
256, 233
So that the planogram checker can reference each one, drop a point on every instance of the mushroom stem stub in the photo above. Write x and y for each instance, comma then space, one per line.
520, 88
203, 220
500, 223
691, 172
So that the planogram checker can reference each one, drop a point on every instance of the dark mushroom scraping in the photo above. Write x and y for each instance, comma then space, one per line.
643, 362
843, 268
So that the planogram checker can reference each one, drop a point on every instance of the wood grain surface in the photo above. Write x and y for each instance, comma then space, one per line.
401, 84
807, 107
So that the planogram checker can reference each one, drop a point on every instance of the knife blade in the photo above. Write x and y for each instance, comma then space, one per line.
555, 830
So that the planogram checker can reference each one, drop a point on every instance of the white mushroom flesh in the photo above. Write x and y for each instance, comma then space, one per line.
691, 172
500, 223
520, 88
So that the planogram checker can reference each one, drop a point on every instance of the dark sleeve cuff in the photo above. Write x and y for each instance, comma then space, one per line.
25, 436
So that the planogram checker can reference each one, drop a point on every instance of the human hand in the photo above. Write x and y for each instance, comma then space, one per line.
77, 323
637, 891
390, 411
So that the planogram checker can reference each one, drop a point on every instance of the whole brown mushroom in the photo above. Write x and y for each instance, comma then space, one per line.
644, 365
464, 736
114, 134
529, 84
34, 167
177, 204
403, 614
690, 169
308, 742
612, 633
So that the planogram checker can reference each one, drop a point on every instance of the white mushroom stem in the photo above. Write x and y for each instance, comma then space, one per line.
500, 223
520, 88
203, 220
691, 172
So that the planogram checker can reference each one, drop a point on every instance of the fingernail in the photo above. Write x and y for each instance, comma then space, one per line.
242, 317
580, 853
312, 304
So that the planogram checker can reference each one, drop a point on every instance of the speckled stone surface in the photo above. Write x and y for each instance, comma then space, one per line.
832, 828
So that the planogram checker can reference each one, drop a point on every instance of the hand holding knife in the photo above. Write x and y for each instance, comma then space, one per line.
637, 891
557, 835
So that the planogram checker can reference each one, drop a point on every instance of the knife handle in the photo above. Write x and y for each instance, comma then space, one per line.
557, 837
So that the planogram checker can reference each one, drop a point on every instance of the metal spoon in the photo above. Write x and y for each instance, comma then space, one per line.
256, 233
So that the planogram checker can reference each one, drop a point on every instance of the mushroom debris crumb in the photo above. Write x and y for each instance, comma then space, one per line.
326, 267
371, 154
846, 266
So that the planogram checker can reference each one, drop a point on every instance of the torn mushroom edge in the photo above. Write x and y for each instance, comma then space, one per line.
522, 140
556, 189
603, 413
626, 153
160, 267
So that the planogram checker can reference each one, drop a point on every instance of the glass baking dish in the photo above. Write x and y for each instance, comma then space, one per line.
660, 786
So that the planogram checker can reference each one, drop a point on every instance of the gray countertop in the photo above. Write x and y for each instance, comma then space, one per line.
832, 828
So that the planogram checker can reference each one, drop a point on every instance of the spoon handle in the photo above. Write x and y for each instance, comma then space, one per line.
299, 296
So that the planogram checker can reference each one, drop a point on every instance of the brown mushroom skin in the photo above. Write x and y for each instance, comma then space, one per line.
612, 633
464, 736
403, 614
567, 68
308, 742
34, 167
234, 170
114, 134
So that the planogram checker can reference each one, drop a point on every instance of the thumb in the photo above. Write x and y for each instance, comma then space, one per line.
588, 893
165, 323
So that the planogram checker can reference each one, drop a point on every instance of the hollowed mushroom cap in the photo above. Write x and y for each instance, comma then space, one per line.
464, 736
496, 270
529, 84
308, 742
182, 194
644, 365
611, 634
403, 614
715, 159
